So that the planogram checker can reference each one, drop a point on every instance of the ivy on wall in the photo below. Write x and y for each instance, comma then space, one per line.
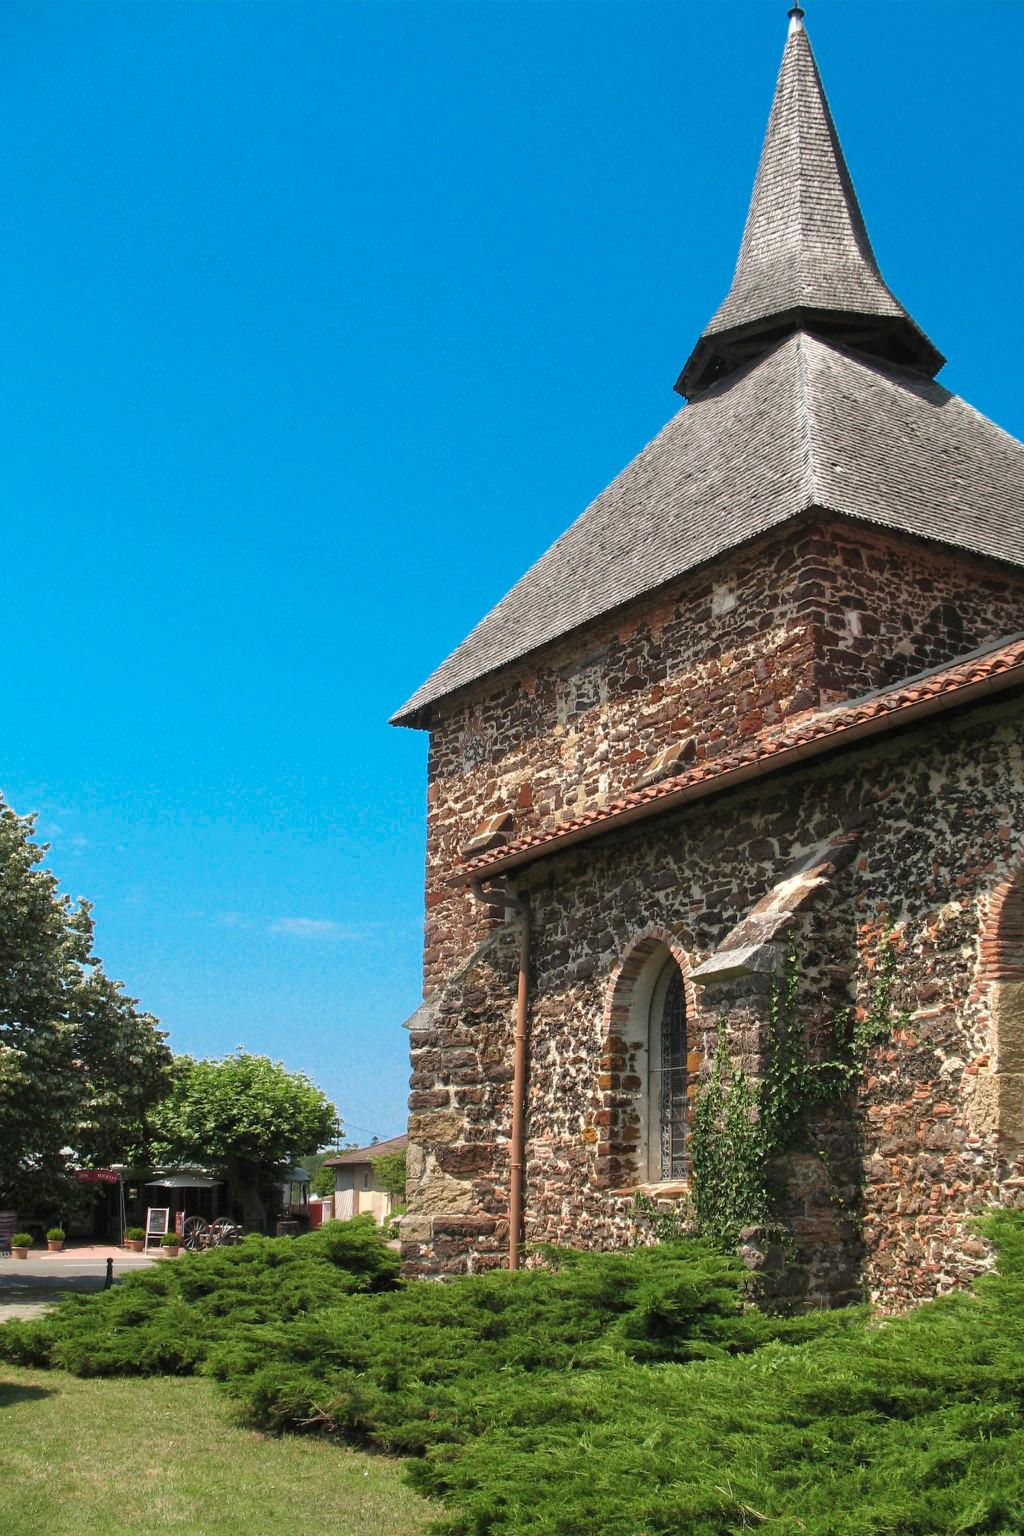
740, 1127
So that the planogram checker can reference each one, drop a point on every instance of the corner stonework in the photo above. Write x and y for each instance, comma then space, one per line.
459, 1111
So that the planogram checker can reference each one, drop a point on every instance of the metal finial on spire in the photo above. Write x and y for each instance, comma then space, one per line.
796, 18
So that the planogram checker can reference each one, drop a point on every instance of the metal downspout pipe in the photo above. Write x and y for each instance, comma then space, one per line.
501, 896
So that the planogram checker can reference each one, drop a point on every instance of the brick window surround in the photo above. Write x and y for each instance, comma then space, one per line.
999, 1097
622, 1088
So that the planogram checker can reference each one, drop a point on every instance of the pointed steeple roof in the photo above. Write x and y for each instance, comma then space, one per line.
803, 401
806, 261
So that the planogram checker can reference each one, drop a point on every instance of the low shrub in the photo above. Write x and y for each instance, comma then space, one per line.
56, 1235
914, 1427
135, 1234
409, 1370
165, 1320
170, 1240
21, 1240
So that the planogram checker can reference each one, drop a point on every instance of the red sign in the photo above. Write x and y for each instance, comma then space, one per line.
97, 1176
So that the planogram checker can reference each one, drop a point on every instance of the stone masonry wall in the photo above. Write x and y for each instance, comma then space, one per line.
889, 1203
821, 611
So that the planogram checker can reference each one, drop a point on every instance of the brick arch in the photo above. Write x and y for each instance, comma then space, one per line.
999, 1095
625, 974
1002, 944
618, 1087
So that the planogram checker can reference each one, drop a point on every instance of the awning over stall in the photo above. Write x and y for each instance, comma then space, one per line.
183, 1181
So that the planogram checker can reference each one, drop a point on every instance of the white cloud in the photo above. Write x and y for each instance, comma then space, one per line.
233, 920
316, 928
324, 928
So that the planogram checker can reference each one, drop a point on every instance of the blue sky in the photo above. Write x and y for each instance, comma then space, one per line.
317, 324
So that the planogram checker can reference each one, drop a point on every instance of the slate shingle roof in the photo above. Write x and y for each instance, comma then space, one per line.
806, 256
809, 410
990, 669
809, 425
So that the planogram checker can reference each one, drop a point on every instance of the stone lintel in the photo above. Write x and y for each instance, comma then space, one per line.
750, 948
732, 964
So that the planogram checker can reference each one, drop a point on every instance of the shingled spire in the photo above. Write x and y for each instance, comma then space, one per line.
806, 262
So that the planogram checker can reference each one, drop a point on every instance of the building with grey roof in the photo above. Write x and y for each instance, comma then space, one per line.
756, 714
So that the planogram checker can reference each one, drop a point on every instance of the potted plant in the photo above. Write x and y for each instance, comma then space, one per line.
170, 1243
135, 1239
55, 1239
21, 1242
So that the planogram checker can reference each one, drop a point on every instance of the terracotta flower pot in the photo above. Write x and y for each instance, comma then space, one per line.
19, 1253
134, 1245
169, 1252
55, 1247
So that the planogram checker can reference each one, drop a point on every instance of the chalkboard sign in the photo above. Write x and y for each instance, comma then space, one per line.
157, 1223
8, 1222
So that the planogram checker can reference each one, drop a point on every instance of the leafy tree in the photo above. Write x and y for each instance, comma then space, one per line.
322, 1182
321, 1179
389, 1171
246, 1118
79, 1066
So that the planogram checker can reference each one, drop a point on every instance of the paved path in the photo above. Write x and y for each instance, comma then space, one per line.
29, 1286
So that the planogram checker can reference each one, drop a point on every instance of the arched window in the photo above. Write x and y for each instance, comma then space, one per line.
642, 1074
666, 1072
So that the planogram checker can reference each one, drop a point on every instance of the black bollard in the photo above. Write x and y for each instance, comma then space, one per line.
108, 1282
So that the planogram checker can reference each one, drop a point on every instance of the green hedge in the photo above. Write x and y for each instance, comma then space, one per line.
409, 1370
166, 1320
911, 1427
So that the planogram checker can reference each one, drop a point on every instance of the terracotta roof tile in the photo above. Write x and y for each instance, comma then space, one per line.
366, 1154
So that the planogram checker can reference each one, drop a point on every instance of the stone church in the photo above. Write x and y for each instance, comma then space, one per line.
763, 697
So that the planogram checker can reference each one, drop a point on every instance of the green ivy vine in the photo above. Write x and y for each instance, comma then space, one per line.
740, 1127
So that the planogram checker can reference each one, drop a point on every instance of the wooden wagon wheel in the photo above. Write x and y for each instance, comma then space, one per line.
224, 1231
193, 1233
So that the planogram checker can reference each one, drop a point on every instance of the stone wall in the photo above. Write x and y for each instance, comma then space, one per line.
823, 610
886, 1193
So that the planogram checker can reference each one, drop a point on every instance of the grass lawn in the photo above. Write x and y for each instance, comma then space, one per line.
134, 1457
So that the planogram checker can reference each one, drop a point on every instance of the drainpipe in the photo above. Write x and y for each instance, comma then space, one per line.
501, 896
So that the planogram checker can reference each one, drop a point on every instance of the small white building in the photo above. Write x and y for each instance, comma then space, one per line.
356, 1188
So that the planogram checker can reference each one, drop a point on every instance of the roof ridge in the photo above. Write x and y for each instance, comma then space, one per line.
805, 407
858, 225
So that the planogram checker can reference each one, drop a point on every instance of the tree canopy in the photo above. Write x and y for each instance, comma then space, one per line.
245, 1117
389, 1171
79, 1064
321, 1179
